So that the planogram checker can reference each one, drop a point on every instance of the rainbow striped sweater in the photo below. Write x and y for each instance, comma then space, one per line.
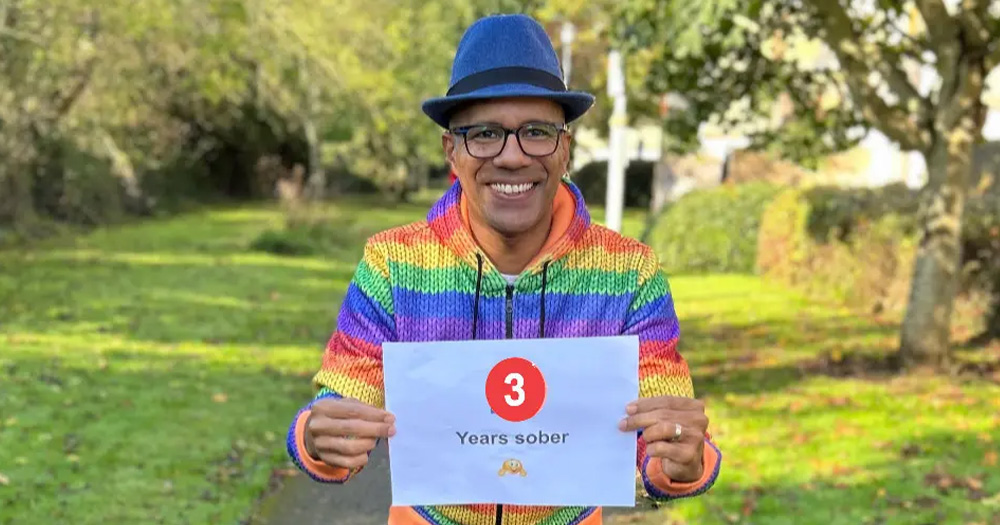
429, 281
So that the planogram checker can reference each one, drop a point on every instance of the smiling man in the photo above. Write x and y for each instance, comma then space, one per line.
509, 252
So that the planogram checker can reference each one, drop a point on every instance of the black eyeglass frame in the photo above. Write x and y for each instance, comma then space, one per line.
463, 131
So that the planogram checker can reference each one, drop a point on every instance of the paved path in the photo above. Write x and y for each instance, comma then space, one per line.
363, 501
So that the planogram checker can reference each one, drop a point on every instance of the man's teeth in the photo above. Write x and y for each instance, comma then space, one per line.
512, 189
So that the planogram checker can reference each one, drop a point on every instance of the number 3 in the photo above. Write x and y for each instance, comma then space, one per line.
519, 380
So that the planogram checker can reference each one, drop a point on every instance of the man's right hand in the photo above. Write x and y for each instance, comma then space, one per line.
342, 432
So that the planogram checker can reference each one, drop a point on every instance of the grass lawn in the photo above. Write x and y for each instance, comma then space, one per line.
148, 374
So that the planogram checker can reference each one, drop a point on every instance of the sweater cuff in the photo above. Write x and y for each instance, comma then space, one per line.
659, 486
317, 470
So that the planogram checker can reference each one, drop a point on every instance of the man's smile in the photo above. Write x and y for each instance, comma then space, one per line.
510, 192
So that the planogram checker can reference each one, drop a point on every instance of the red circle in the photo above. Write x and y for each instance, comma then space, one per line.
515, 389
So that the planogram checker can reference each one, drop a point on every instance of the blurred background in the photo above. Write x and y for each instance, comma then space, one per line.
185, 188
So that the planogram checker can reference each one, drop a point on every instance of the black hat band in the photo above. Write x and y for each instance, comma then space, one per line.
507, 75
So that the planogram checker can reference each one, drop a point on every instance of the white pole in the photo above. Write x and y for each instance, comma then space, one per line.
568, 33
616, 145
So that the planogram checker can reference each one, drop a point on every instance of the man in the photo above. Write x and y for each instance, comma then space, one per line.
508, 252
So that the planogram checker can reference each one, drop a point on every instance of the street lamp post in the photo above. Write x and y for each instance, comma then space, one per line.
616, 145
568, 34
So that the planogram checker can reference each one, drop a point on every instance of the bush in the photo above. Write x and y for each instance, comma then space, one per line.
592, 180
808, 240
712, 230
310, 229
858, 246
835, 213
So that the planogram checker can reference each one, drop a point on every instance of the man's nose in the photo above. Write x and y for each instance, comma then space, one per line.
511, 157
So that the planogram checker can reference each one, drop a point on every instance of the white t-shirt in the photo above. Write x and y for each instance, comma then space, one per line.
510, 278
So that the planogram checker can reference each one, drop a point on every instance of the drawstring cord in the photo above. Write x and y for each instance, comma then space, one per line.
475, 308
541, 323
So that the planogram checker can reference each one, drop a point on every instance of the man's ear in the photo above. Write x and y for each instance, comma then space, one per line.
566, 144
448, 145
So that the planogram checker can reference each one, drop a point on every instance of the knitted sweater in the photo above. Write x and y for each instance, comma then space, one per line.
429, 281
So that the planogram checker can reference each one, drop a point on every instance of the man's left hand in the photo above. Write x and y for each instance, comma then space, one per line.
658, 418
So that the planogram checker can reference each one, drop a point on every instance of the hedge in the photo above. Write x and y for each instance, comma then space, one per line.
712, 230
809, 241
857, 246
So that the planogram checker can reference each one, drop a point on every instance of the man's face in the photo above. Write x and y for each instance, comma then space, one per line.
512, 192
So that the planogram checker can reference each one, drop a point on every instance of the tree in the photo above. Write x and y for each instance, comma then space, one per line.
736, 61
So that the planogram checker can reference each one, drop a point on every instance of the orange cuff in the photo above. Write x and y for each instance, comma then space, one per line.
654, 472
317, 468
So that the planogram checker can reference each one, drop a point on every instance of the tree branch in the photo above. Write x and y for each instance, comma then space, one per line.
972, 17
993, 57
901, 122
940, 25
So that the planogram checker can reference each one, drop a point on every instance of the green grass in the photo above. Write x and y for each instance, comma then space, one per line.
808, 437
148, 373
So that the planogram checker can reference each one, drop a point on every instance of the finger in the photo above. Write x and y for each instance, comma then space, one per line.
344, 446
325, 426
667, 431
342, 461
647, 404
679, 453
352, 409
645, 419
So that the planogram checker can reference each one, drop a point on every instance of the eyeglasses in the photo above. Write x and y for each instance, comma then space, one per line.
536, 139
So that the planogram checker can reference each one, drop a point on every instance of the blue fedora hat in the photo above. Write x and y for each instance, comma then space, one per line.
504, 56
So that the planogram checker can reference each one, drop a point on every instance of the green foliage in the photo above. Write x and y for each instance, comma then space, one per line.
712, 230
857, 246
836, 212
838, 249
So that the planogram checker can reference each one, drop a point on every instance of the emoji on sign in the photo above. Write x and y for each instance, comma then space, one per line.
512, 467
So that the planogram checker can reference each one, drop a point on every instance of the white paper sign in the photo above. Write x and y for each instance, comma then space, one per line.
555, 445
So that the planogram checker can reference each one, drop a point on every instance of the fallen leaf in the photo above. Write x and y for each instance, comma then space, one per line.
73, 458
881, 492
939, 480
4, 480
220, 397
910, 450
841, 470
974, 483
990, 459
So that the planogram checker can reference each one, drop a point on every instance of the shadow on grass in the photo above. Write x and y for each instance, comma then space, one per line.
772, 355
940, 478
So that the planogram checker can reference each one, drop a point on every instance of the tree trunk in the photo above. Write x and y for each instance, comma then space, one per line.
927, 326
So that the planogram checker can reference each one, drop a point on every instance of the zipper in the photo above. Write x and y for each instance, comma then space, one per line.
510, 311
510, 335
